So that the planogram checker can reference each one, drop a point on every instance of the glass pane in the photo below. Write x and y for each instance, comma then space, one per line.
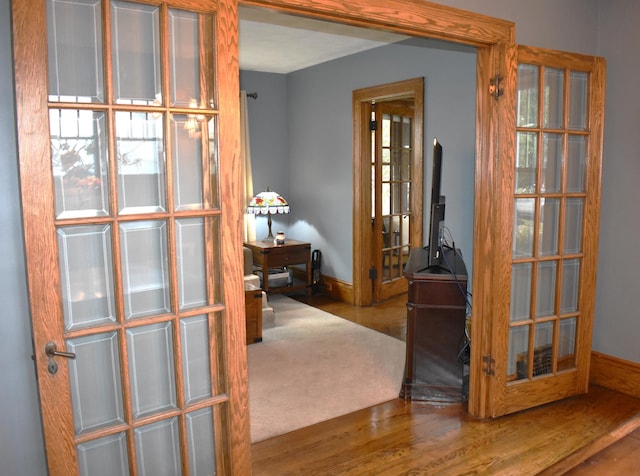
151, 369
518, 363
86, 276
74, 29
395, 161
200, 441
521, 291
386, 198
546, 288
145, 273
212, 199
136, 53
526, 162
553, 97
141, 162
405, 165
573, 225
579, 84
396, 198
190, 249
386, 130
104, 457
79, 162
95, 381
405, 198
549, 226
183, 57
570, 286
187, 163
542, 352
404, 240
194, 333
567, 344
524, 214
157, 447
551, 163
576, 161
406, 132
527, 95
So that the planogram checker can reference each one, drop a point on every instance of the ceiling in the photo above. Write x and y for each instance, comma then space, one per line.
274, 42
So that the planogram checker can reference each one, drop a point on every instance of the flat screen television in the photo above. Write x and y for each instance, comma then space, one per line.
436, 220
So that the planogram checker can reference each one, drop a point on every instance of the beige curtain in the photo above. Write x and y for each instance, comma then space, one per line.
247, 177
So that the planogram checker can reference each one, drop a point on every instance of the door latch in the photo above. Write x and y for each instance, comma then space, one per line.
51, 349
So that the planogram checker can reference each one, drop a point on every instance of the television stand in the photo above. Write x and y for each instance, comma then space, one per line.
436, 320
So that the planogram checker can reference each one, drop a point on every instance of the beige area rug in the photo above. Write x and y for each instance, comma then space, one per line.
313, 366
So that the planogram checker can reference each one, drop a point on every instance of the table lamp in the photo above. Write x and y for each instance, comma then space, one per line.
268, 203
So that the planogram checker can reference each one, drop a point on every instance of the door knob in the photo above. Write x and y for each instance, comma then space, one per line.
51, 350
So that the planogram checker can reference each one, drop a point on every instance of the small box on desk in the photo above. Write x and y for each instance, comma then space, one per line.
277, 277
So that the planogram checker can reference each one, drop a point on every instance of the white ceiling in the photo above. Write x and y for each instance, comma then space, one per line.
273, 42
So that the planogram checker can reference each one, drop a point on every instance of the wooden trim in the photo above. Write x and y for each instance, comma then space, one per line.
336, 289
617, 374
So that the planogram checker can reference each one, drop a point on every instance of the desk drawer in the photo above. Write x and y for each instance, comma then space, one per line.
287, 256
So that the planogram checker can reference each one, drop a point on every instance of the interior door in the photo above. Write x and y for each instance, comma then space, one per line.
544, 331
126, 160
392, 160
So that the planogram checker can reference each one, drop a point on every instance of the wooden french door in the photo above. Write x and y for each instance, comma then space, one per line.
388, 133
127, 119
543, 345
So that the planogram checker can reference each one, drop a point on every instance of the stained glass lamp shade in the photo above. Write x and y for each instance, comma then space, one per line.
268, 203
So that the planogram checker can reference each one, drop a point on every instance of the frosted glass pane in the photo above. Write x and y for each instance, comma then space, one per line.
551, 163
567, 344
104, 457
158, 450
549, 226
579, 89
190, 249
95, 381
521, 291
546, 288
553, 97
86, 276
183, 57
141, 162
79, 162
151, 369
136, 53
570, 285
542, 352
576, 162
200, 441
528, 75
526, 162
187, 162
194, 332
145, 268
523, 228
518, 360
573, 225
74, 39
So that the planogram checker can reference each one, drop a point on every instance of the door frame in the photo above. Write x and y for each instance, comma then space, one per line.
363, 237
494, 39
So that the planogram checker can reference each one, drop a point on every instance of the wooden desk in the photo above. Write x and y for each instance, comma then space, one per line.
267, 256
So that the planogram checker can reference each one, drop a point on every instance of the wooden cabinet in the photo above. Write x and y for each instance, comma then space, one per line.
436, 320
268, 256
253, 314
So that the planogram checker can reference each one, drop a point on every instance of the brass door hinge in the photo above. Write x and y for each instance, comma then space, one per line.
488, 365
496, 86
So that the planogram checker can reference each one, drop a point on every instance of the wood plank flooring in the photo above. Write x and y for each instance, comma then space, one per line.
401, 437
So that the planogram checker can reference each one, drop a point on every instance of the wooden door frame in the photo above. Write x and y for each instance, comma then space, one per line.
363, 238
495, 142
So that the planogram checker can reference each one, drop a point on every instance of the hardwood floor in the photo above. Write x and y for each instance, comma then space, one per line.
575, 436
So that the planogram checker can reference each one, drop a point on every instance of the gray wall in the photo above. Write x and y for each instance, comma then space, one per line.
605, 27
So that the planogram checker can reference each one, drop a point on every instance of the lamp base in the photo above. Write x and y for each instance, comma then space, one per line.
268, 239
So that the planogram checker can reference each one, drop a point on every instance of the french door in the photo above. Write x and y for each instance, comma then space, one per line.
552, 211
126, 116
388, 136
